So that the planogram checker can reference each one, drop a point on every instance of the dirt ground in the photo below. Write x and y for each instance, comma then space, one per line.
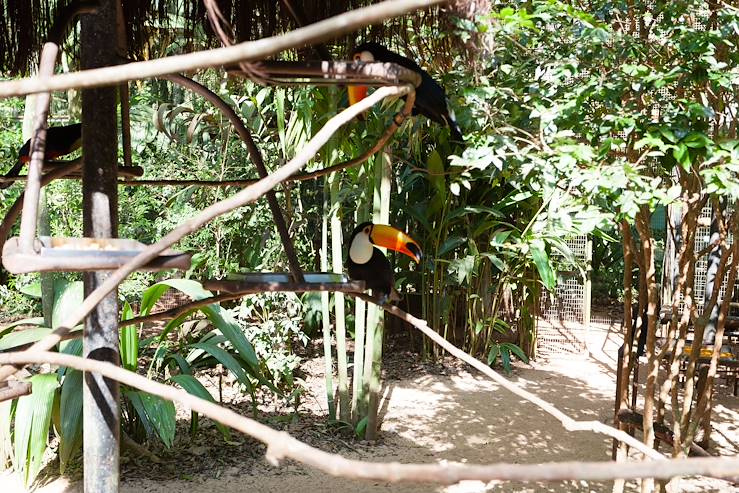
441, 412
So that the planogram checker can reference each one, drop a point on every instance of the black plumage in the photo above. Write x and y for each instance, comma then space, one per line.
60, 141
431, 100
377, 273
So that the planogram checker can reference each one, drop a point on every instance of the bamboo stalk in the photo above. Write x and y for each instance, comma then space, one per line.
381, 215
360, 319
339, 308
325, 310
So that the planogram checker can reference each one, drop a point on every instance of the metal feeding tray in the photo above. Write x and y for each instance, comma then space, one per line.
60, 254
256, 282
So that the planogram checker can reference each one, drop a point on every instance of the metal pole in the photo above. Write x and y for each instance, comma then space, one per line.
100, 220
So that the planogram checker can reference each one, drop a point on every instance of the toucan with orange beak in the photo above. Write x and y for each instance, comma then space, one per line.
367, 263
431, 100
60, 141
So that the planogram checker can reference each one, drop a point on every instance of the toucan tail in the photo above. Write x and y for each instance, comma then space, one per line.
14, 171
451, 120
456, 131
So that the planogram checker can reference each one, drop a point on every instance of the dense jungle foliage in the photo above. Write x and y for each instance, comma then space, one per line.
574, 121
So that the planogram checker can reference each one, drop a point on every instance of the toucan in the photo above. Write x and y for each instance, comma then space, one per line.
60, 141
367, 263
431, 100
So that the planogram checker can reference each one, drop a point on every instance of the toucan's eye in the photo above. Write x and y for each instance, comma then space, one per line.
366, 230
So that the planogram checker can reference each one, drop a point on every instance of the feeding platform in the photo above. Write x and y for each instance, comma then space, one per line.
60, 254
256, 282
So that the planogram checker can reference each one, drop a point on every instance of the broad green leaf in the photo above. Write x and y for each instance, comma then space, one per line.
32, 420
450, 244
435, 169
67, 297
226, 360
25, 321
70, 432
134, 397
33, 290
162, 416
21, 337
505, 357
129, 341
192, 385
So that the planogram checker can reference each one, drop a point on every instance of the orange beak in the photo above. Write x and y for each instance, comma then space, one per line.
394, 239
356, 94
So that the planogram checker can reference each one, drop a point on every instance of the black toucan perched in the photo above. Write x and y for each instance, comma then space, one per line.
367, 263
431, 100
60, 141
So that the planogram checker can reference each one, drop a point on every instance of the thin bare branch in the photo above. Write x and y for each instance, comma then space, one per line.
281, 445
569, 423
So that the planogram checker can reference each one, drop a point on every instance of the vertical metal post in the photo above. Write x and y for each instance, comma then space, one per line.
100, 219
588, 284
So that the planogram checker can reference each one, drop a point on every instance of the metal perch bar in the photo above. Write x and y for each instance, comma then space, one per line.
331, 73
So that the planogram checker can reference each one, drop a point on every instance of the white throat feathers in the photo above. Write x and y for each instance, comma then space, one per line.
361, 248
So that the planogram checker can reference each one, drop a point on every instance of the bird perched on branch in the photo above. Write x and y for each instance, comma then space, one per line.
367, 263
431, 100
60, 141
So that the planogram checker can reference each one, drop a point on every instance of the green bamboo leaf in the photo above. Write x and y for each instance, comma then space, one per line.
32, 420
435, 168
493, 354
541, 259
70, 432
191, 385
151, 296
225, 323
505, 356
517, 351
